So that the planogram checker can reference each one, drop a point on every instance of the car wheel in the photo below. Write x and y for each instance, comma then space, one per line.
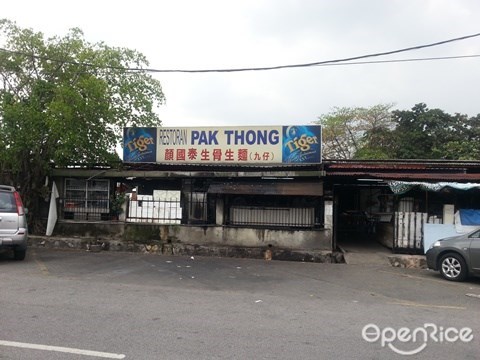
453, 267
19, 254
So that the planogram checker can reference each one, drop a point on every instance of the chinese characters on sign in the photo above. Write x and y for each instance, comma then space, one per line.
249, 145
216, 155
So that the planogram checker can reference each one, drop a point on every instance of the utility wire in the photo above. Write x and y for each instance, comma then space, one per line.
341, 61
324, 62
403, 60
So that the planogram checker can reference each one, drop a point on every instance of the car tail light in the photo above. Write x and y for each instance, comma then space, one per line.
18, 202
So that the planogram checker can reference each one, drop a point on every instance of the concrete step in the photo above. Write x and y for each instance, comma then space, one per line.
366, 258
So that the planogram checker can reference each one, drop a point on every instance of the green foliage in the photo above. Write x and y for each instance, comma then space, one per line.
116, 202
423, 133
419, 133
348, 130
367, 153
64, 100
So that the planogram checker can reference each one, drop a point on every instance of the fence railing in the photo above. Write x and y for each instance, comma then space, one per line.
272, 216
84, 209
154, 211
171, 212
409, 231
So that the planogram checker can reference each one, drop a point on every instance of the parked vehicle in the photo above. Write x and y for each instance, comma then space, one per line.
13, 222
456, 257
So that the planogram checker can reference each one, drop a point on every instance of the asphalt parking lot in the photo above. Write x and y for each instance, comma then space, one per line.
140, 306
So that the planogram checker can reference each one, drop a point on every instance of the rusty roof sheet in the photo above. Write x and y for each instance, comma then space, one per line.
460, 177
401, 164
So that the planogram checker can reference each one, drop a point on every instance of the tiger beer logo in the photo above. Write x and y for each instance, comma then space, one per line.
301, 144
140, 145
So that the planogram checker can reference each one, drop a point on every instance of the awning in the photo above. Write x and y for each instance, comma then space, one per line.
401, 187
271, 188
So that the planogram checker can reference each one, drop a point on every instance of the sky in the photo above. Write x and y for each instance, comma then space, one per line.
222, 34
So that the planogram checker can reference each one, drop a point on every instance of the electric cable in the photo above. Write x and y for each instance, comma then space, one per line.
341, 61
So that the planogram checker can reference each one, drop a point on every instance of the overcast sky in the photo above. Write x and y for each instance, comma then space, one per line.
211, 34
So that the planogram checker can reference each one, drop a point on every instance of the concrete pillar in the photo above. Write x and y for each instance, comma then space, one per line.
123, 214
219, 206
328, 214
328, 221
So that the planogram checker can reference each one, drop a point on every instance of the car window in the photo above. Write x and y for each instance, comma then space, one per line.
475, 235
7, 202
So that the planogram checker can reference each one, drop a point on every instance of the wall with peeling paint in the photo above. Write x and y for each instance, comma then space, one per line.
214, 235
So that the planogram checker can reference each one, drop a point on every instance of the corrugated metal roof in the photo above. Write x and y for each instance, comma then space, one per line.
402, 166
376, 166
460, 177
429, 170
447, 163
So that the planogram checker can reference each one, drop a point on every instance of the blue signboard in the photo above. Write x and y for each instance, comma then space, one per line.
139, 145
302, 144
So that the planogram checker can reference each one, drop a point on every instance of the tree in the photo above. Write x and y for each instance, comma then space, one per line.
64, 100
423, 133
356, 132
418, 133
467, 144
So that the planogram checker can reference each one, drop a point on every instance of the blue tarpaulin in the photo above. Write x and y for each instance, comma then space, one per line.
470, 216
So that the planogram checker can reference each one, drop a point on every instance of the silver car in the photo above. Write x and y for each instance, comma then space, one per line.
456, 257
13, 222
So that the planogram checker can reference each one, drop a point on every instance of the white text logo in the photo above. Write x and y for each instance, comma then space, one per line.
419, 336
